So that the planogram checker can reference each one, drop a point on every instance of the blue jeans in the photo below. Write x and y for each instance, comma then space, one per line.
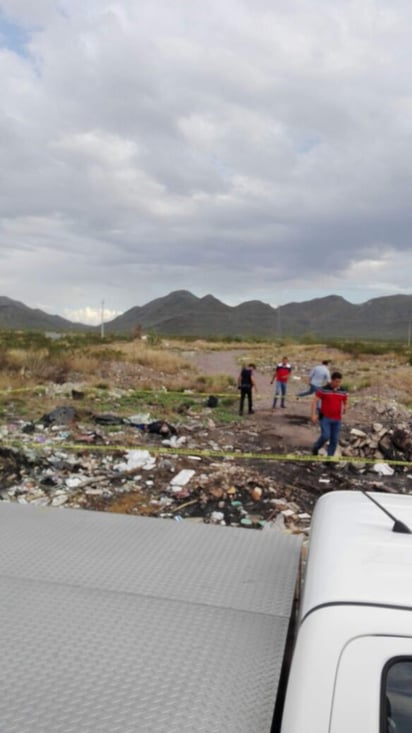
330, 430
280, 388
310, 390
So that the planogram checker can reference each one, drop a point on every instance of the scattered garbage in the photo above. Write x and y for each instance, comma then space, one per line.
383, 469
77, 395
108, 420
161, 427
124, 465
174, 441
136, 459
256, 493
182, 478
59, 416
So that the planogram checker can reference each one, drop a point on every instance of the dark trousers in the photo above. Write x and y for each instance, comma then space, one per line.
245, 393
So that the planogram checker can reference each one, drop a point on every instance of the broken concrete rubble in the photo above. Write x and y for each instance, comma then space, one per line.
377, 441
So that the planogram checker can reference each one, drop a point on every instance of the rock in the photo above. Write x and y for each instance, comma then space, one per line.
358, 433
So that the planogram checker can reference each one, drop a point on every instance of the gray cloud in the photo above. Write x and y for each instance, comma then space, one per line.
249, 152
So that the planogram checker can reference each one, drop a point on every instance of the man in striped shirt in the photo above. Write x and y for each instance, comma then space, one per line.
333, 404
280, 377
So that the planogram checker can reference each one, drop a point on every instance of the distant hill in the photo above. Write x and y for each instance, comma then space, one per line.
17, 316
181, 313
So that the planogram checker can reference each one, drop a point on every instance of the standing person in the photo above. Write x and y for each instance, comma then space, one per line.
319, 376
246, 383
333, 404
280, 377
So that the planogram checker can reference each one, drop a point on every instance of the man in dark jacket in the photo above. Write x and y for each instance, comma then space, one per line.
246, 383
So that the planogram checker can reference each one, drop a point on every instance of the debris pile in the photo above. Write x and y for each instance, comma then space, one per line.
197, 470
379, 442
143, 482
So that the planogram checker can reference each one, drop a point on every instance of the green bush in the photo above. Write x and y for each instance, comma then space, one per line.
373, 348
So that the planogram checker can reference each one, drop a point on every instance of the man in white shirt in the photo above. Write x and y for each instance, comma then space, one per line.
319, 376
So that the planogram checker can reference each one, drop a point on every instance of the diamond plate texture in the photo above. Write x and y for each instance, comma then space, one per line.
116, 623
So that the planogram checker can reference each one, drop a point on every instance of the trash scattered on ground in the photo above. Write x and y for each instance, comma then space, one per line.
136, 459
137, 465
59, 416
383, 469
182, 478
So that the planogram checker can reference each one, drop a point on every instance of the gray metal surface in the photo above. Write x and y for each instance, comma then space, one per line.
116, 623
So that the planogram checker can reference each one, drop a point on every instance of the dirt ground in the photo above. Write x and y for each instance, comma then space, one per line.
289, 428
254, 470
290, 431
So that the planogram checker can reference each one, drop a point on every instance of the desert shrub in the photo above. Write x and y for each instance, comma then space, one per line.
23, 339
160, 360
153, 339
106, 354
4, 358
39, 365
309, 339
373, 348
84, 363
228, 339
49, 370
356, 384
216, 383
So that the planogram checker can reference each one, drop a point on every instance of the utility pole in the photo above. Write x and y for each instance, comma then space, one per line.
102, 321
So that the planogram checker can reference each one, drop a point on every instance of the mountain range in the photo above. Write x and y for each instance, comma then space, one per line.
19, 317
181, 313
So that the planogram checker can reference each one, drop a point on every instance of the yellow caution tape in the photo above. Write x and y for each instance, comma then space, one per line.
207, 453
11, 390
137, 392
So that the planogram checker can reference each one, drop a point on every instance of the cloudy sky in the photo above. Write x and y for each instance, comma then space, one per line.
252, 150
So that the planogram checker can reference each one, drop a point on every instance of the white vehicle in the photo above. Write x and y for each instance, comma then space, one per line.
352, 663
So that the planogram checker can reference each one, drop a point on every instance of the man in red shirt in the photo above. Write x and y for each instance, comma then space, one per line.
280, 377
333, 403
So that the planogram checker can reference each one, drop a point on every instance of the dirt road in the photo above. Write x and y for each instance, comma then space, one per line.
289, 428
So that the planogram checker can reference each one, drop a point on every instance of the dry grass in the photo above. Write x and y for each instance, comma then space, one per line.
146, 366
161, 358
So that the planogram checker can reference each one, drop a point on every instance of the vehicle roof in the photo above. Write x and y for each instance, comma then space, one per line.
114, 622
354, 556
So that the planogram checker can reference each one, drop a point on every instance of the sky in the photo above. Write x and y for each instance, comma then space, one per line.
251, 150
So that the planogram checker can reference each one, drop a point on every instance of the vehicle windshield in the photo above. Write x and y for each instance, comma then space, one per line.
397, 694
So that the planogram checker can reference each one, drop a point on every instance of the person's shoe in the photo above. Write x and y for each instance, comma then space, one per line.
315, 451
251, 412
283, 406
